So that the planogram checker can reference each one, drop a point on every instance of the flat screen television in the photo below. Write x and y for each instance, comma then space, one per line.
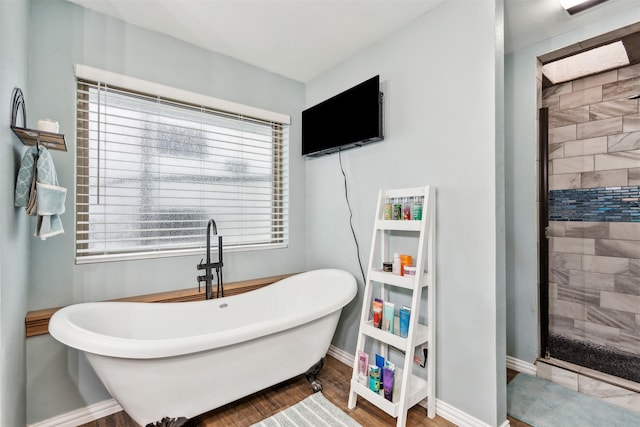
350, 119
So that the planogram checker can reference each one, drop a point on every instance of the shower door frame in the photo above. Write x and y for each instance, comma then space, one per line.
543, 226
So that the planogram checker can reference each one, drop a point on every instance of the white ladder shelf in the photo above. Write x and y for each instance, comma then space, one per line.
409, 389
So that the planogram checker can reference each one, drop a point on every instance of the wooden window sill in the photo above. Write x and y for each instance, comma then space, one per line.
37, 321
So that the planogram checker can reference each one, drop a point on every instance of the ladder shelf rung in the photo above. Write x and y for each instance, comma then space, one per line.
417, 391
421, 336
373, 397
407, 282
404, 192
398, 225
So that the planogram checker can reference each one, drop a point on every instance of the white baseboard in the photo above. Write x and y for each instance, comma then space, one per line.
82, 415
341, 355
521, 366
460, 418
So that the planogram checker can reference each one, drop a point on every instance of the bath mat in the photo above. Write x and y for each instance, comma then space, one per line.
313, 411
542, 403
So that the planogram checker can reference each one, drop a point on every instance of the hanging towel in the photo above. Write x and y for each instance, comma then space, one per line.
37, 190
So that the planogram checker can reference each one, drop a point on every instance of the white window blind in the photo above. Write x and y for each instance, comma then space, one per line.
151, 172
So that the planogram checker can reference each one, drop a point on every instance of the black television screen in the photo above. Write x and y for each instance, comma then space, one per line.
350, 119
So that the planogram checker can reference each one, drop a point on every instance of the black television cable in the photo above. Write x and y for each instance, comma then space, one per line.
355, 239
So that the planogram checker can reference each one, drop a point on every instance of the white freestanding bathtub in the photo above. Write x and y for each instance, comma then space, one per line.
179, 360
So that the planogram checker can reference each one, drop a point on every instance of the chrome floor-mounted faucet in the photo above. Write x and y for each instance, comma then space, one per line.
209, 266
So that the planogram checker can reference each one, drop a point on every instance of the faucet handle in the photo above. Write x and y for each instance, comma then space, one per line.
200, 279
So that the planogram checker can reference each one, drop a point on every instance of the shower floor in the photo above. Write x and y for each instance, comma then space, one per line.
599, 358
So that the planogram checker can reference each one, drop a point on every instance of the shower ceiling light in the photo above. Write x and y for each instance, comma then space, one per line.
575, 6
593, 61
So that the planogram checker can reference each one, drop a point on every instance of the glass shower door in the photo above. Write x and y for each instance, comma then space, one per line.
592, 231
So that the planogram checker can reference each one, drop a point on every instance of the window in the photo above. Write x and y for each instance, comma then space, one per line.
151, 172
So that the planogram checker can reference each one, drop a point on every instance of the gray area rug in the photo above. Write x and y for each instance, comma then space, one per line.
542, 403
313, 411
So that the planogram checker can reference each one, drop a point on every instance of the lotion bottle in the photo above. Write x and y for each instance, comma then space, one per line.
396, 264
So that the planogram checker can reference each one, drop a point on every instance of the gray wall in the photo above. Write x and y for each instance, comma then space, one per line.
62, 34
14, 231
440, 118
520, 160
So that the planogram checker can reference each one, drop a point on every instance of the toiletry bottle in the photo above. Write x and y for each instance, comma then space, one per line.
388, 381
397, 208
376, 308
363, 365
406, 208
404, 314
417, 208
396, 263
405, 260
388, 208
374, 378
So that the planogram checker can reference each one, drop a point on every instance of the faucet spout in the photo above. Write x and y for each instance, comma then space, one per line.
208, 266
211, 224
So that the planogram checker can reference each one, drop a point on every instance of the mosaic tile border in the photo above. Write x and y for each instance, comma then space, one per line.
603, 204
612, 362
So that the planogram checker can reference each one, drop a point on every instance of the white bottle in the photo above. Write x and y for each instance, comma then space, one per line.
396, 264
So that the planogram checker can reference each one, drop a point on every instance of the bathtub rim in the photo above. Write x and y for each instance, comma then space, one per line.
81, 338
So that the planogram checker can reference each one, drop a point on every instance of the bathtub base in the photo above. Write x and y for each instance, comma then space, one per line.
312, 374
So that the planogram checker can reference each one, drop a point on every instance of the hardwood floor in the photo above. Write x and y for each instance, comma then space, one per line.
334, 377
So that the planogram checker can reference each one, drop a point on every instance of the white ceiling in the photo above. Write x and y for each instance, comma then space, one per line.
301, 39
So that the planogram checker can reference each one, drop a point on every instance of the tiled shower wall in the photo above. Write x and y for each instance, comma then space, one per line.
594, 174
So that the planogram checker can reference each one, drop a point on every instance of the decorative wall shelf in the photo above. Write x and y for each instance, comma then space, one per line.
53, 141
